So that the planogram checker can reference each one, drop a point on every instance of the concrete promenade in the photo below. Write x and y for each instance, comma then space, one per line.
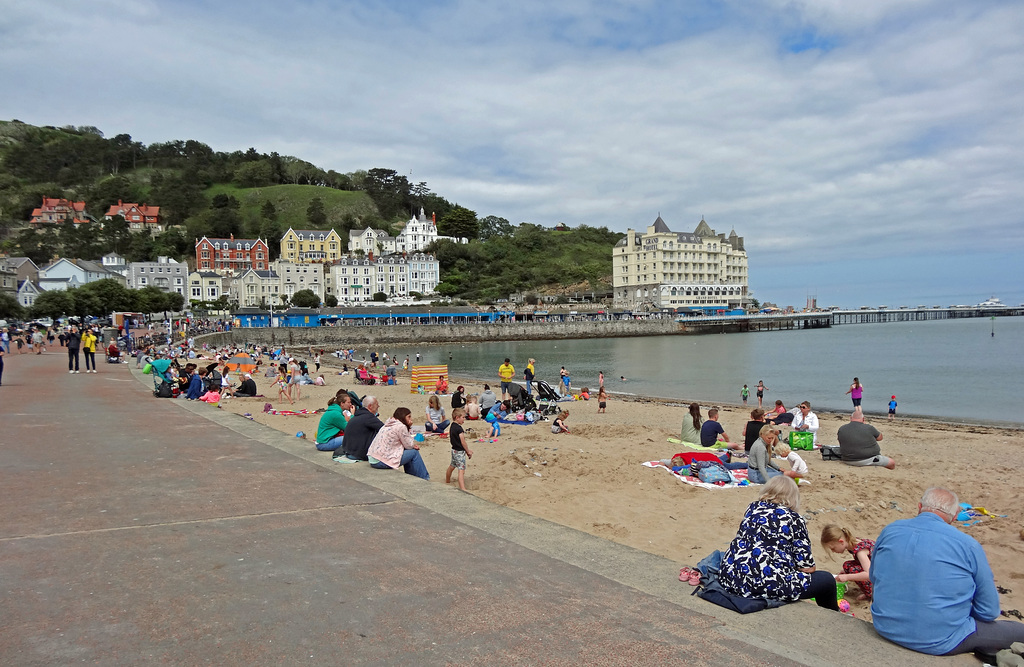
145, 531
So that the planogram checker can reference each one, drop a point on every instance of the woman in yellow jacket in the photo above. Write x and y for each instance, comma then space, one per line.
89, 348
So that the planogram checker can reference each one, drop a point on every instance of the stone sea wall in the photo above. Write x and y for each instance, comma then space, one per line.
336, 337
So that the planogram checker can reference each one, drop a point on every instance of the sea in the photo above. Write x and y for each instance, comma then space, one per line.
952, 370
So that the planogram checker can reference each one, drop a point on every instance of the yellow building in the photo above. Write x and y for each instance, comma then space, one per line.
304, 246
703, 271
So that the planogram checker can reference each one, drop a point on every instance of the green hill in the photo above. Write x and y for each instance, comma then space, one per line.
343, 208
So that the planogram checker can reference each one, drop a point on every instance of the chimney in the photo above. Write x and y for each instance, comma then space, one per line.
232, 237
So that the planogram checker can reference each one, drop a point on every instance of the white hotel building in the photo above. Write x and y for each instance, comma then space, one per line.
664, 269
353, 279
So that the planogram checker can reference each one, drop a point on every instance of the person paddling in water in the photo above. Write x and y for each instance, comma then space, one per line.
760, 392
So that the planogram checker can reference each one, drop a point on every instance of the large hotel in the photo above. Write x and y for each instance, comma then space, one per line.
664, 269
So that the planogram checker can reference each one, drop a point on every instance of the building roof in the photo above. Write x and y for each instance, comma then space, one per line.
17, 262
146, 211
230, 240
306, 232
660, 227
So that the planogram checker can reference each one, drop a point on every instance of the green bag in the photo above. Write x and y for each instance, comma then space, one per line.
801, 440
147, 369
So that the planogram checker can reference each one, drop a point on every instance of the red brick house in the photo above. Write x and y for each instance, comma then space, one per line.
56, 210
231, 255
138, 216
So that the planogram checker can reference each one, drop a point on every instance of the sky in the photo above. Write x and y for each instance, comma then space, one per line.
868, 152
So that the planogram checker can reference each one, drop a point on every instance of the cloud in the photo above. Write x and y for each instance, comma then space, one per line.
810, 128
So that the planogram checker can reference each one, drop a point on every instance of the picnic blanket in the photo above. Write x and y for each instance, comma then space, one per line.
718, 445
740, 477
523, 422
294, 413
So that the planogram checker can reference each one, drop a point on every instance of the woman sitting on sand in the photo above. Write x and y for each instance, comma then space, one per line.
778, 414
760, 468
330, 432
393, 446
753, 428
436, 421
770, 558
691, 426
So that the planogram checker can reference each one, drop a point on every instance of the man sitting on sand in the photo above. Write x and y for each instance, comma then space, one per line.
934, 591
805, 420
711, 432
858, 443
360, 431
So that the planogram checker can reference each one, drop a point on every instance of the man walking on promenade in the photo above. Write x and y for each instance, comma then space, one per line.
506, 372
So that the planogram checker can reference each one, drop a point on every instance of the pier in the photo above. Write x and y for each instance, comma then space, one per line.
829, 318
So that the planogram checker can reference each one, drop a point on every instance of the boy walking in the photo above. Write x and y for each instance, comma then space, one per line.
744, 394
460, 450
892, 409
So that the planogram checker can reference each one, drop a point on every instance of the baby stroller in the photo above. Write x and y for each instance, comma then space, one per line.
548, 398
519, 400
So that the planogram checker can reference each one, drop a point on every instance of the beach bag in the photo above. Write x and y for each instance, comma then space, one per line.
710, 472
147, 369
714, 475
830, 453
801, 440
164, 390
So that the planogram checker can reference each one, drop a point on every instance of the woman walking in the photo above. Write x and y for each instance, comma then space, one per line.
856, 392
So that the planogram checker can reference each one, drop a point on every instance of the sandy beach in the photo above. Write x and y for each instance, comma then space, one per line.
592, 479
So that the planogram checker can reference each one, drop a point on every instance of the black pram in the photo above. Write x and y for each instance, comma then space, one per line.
519, 399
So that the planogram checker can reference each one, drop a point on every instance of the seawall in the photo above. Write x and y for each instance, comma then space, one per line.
335, 337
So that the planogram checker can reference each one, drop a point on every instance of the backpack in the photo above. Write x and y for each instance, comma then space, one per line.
830, 453
164, 391
710, 472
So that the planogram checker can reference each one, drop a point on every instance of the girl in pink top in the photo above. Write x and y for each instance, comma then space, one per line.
856, 391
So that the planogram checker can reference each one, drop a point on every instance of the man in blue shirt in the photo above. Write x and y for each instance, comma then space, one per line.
711, 429
933, 588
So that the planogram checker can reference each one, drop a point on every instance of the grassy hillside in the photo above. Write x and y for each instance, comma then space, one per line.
343, 208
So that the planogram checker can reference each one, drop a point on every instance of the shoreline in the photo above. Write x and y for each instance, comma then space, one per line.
924, 420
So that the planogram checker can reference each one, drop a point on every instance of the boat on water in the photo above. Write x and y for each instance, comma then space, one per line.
993, 304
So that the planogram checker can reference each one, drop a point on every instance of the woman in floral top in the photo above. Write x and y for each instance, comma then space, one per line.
770, 558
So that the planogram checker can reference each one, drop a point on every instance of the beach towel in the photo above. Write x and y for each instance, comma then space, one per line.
523, 422
739, 477
294, 413
697, 447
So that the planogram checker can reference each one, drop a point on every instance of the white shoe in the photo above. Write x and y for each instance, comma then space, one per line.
76, 371
70, 371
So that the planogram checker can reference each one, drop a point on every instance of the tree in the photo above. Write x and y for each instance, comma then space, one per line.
110, 295
268, 211
53, 304
380, 296
492, 226
315, 213
305, 298
753, 304
10, 309
331, 301
389, 191
460, 222
254, 174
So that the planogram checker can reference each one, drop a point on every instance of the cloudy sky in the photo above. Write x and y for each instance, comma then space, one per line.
869, 152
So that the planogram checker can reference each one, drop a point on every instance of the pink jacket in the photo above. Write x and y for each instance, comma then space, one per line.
390, 442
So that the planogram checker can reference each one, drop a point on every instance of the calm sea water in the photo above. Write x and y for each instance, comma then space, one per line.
948, 369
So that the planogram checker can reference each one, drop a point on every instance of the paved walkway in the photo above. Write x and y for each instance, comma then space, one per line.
140, 530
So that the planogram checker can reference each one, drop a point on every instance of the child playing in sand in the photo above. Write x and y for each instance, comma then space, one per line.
472, 407
558, 426
284, 389
460, 450
892, 409
840, 540
796, 464
602, 400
